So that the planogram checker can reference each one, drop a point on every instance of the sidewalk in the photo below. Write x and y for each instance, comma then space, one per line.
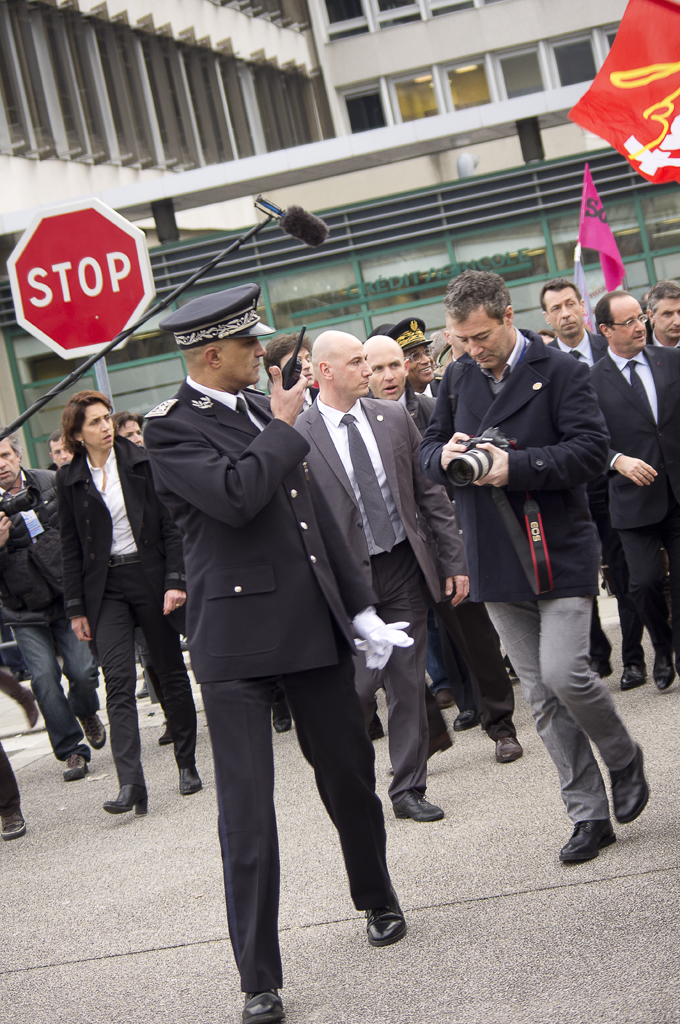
121, 920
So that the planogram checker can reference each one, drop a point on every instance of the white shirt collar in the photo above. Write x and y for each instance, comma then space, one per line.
109, 465
583, 346
402, 397
335, 415
622, 362
225, 397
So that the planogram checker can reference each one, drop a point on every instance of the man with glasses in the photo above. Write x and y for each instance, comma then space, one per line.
638, 387
663, 304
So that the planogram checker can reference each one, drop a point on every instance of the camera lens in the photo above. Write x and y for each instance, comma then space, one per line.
22, 501
465, 469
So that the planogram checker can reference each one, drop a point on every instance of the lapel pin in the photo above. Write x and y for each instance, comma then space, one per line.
380, 419
537, 386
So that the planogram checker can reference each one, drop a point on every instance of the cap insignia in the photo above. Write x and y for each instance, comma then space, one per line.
225, 329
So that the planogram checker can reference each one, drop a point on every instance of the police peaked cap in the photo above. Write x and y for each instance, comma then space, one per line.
228, 314
409, 332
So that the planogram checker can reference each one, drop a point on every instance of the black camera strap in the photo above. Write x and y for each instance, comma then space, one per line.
533, 556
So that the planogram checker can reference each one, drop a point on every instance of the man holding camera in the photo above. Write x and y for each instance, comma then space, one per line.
32, 604
538, 579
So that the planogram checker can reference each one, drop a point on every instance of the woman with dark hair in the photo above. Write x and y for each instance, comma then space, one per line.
123, 568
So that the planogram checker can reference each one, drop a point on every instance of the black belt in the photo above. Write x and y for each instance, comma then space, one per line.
124, 559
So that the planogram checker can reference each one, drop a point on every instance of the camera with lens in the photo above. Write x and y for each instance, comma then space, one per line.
23, 501
475, 463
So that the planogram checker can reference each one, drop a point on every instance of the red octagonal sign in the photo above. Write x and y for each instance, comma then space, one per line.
80, 274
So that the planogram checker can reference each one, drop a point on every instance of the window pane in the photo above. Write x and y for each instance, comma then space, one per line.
392, 5
522, 74
365, 112
667, 268
662, 219
452, 8
416, 98
469, 87
420, 269
302, 298
575, 62
623, 221
512, 252
343, 10
611, 36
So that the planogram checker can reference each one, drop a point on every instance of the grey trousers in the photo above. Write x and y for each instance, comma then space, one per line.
548, 644
399, 584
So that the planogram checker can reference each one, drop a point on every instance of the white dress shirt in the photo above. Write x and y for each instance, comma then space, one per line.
583, 347
122, 541
338, 433
644, 372
226, 398
402, 398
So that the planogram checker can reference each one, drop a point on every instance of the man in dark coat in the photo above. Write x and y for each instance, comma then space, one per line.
543, 401
638, 387
564, 310
263, 555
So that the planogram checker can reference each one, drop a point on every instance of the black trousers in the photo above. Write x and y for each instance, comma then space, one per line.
332, 737
631, 623
642, 547
10, 802
473, 634
129, 600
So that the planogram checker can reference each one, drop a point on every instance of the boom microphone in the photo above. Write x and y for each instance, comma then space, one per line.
297, 222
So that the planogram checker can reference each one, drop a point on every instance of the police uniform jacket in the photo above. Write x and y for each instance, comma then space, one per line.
549, 407
86, 532
420, 407
271, 581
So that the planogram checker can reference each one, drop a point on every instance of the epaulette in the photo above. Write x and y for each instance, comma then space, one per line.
163, 409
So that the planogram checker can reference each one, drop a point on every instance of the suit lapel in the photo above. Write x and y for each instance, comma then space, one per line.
478, 397
598, 346
523, 384
316, 428
381, 432
621, 385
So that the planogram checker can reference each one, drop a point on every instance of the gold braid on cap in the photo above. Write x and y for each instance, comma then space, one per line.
224, 329
412, 337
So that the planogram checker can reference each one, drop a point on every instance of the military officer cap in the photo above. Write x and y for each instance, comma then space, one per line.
228, 314
407, 333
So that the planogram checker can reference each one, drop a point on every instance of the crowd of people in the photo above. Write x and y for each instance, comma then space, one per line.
436, 507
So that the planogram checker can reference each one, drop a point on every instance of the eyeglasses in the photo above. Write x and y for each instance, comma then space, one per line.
416, 357
642, 319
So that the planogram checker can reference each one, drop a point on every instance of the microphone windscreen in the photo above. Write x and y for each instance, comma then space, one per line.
303, 225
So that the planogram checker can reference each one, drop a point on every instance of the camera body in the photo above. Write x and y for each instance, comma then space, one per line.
23, 501
475, 463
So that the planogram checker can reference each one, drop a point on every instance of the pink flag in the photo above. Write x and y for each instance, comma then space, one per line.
594, 233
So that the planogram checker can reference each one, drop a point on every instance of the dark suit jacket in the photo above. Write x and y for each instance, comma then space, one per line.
634, 433
86, 532
420, 407
398, 442
598, 346
549, 407
271, 580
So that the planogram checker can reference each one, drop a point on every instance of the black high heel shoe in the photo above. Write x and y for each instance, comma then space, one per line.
130, 796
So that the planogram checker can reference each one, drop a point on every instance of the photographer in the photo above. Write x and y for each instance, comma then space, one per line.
510, 384
32, 604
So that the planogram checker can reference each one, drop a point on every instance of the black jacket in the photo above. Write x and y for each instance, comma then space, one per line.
271, 579
634, 433
549, 407
86, 532
420, 407
30, 573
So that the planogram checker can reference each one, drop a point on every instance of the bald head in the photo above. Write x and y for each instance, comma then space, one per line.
340, 369
388, 366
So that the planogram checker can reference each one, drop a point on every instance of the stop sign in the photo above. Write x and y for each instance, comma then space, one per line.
80, 274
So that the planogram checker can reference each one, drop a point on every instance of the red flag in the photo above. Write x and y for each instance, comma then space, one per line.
634, 102
595, 233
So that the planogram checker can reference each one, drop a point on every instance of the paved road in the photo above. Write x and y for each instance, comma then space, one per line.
120, 920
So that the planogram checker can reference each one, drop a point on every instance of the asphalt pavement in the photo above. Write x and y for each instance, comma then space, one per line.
121, 920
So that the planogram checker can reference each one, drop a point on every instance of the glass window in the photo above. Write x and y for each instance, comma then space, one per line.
393, 5
661, 215
623, 221
465, 5
469, 87
512, 252
667, 268
527, 307
575, 62
140, 388
343, 10
416, 97
611, 36
418, 269
432, 314
522, 74
298, 298
365, 112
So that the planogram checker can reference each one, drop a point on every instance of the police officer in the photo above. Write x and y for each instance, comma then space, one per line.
263, 553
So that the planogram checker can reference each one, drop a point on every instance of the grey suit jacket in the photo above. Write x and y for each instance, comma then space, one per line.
415, 496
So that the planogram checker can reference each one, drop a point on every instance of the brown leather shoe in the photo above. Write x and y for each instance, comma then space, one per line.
508, 749
438, 744
444, 699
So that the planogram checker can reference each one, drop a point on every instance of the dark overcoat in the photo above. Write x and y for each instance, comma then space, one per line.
86, 532
270, 577
635, 433
549, 407
419, 407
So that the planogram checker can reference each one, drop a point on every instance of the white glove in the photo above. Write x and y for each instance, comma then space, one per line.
378, 637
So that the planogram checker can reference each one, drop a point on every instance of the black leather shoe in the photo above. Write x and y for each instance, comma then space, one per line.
263, 1007
414, 805
129, 797
385, 925
630, 791
466, 720
603, 668
189, 781
166, 739
664, 673
588, 838
633, 675
375, 729
281, 719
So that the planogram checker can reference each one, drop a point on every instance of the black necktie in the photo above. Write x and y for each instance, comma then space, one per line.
241, 406
575, 353
638, 387
371, 496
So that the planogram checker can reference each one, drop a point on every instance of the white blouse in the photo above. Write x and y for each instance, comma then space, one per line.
122, 542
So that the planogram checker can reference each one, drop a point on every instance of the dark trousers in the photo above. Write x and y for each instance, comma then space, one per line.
129, 600
239, 717
399, 584
642, 547
9, 791
447, 667
631, 623
474, 636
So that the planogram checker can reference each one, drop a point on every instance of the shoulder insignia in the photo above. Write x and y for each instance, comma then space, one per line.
163, 409
202, 403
